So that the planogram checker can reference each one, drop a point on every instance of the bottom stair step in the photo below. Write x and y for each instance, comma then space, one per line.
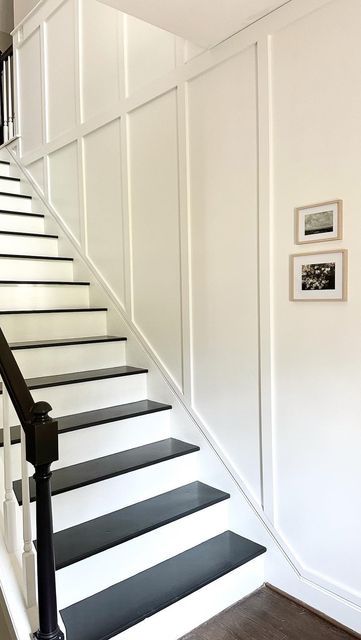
121, 606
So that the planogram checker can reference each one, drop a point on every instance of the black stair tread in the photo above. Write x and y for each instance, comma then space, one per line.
10, 178
15, 195
28, 234
62, 310
19, 256
5, 162
121, 606
96, 417
21, 213
116, 464
61, 342
75, 377
70, 283
97, 535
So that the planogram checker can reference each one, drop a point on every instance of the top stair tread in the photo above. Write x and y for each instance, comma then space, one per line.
115, 464
82, 376
119, 607
96, 417
102, 533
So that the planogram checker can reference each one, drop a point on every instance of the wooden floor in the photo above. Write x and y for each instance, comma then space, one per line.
266, 615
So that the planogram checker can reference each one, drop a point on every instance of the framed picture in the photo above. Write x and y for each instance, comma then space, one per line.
319, 276
319, 222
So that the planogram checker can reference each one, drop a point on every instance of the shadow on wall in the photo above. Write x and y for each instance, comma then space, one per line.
5, 633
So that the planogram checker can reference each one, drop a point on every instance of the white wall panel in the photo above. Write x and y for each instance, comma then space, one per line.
36, 170
100, 43
64, 187
223, 173
31, 112
155, 228
317, 157
60, 71
150, 53
104, 204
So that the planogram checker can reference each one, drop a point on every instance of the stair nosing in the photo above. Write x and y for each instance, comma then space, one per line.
15, 195
5, 162
21, 213
10, 178
219, 496
28, 234
64, 310
67, 342
71, 283
114, 474
21, 256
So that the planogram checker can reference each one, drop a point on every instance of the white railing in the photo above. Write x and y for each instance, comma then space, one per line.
7, 95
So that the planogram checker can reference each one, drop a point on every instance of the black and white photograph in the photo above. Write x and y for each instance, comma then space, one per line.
318, 223
319, 276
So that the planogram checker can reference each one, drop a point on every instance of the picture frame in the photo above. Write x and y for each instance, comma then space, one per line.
320, 222
319, 276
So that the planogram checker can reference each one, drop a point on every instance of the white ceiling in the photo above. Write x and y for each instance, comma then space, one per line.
6, 15
203, 22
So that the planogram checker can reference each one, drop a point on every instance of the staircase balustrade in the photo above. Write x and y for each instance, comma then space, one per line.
39, 446
7, 96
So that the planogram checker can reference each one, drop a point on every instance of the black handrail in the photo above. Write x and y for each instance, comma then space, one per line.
41, 437
4, 56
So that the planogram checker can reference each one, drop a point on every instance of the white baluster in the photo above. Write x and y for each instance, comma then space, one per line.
9, 503
28, 554
5, 102
10, 99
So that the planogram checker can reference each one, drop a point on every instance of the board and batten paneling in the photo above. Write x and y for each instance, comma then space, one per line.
154, 215
64, 186
317, 375
60, 70
149, 53
104, 215
100, 59
30, 96
223, 212
36, 170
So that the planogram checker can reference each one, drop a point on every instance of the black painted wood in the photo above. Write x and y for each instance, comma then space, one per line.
19, 256
15, 195
64, 342
66, 283
87, 539
28, 235
4, 162
96, 417
10, 178
15, 312
123, 605
22, 213
85, 473
82, 376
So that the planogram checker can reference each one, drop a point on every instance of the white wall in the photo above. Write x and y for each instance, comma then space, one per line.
178, 180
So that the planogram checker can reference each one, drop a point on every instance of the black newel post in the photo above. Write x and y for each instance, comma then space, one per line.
41, 451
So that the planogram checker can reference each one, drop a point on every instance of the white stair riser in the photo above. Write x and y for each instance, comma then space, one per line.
85, 396
48, 361
28, 269
83, 579
26, 224
10, 186
28, 245
27, 296
13, 203
102, 440
190, 612
4, 169
45, 326
73, 507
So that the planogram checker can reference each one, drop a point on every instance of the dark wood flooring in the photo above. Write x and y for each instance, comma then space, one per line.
267, 615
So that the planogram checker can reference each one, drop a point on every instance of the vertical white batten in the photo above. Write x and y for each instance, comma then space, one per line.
5, 103
28, 557
10, 99
9, 502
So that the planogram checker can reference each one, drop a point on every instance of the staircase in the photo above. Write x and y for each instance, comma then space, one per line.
136, 531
